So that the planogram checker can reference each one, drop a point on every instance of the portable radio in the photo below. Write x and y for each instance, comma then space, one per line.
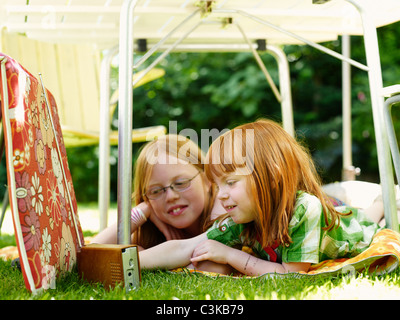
110, 264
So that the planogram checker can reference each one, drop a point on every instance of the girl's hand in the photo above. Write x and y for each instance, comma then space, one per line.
169, 232
210, 250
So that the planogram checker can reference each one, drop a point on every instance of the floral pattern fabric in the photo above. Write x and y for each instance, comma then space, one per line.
42, 199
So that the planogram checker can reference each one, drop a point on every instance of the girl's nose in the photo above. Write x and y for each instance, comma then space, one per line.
222, 194
171, 194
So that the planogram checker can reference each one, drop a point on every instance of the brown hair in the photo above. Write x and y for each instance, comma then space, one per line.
178, 147
277, 167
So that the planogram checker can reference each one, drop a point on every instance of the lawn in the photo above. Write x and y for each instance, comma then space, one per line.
162, 285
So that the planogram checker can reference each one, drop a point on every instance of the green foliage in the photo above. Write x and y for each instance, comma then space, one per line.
222, 90
7, 240
84, 165
197, 96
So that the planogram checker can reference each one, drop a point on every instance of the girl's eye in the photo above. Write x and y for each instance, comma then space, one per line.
155, 191
179, 183
230, 182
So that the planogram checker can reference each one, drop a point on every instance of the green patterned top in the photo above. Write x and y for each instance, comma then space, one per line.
310, 243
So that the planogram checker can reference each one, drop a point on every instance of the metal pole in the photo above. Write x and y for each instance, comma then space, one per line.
348, 171
285, 88
104, 142
293, 35
394, 147
125, 122
382, 144
125, 114
261, 65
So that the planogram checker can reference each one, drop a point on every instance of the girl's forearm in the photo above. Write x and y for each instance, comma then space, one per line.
170, 254
109, 235
250, 265
253, 266
167, 255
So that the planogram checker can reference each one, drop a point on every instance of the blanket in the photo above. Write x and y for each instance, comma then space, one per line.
382, 256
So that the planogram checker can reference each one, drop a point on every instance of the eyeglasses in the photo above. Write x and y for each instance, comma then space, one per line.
178, 186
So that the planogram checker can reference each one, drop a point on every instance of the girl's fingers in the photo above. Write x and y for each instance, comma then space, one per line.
198, 258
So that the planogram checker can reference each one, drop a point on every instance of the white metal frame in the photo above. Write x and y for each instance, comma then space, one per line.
104, 141
126, 40
348, 170
393, 94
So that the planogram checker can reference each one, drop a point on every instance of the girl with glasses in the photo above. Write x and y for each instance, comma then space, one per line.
173, 198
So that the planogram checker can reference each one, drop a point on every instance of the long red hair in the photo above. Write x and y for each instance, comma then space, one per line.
277, 167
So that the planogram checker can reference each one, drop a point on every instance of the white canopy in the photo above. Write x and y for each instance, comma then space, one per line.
97, 21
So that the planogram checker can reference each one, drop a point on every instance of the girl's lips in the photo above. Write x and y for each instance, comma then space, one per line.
229, 208
176, 210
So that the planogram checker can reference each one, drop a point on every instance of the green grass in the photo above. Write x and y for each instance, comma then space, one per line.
162, 285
